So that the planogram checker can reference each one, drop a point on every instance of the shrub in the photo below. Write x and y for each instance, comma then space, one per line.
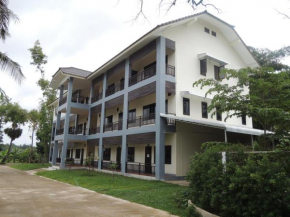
252, 185
192, 212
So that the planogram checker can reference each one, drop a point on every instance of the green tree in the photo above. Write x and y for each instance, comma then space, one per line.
267, 102
17, 116
43, 134
33, 120
7, 64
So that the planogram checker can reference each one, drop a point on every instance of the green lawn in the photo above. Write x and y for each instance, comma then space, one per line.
29, 166
155, 194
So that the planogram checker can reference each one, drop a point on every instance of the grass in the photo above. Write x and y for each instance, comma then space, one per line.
29, 166
156, 194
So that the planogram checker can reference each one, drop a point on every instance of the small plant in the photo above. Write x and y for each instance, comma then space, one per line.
192, 212
113, 168
69, 162
181, 198
89, 162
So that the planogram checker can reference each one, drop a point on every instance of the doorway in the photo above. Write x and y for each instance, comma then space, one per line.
148, 152
118, 158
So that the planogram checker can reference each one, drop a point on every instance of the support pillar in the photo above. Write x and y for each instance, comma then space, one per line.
102, 122
226, 138
54, 153
90, 114
124, 154
160, 108
66, 123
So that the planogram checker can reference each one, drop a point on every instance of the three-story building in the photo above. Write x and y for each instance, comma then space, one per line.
140, 110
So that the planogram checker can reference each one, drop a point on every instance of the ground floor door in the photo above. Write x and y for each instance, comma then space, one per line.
82, 157
148, 151
118, 158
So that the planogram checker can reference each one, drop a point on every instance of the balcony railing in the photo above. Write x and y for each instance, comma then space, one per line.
171, 121
59, 131
170, 70
118, 125
80, 99
114, 89
62, 101
140, 76
106, 165
140, 168
141, 121
94, 130
76, 130
97, 97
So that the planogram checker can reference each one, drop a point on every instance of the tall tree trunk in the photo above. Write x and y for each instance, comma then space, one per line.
31, 149
6, 156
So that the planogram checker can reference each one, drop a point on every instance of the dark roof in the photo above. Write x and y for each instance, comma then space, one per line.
74, 71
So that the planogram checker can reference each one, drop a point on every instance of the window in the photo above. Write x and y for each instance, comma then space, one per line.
131, 154
206, 30
218, 114
168, 154
78, 153
109, 119
132, 115
203, 67
68, 153
244, 120
213, 33
149, 110
107, 154
186, 106
217, 72
204, 109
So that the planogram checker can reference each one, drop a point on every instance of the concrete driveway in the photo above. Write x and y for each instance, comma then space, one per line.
25, 194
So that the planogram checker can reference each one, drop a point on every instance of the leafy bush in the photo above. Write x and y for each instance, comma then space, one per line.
181, 198
250, 185
192, 212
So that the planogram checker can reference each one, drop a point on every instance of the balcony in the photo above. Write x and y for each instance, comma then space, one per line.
141, 76
115, 88
59, 131
80, 99
62, 101
170, 70
97, 97
141, 121
94, 130
118, 125
76, 131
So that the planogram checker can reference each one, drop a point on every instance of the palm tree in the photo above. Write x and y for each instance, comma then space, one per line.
7, 64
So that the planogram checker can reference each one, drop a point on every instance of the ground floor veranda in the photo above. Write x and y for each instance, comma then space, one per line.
141, 156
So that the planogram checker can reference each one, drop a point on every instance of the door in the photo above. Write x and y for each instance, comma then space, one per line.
118, 158
108, 123
82, 157
120, 123
148, 168
149, 114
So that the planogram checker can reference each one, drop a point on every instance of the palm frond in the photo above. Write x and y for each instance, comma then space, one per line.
5, 16
11, 67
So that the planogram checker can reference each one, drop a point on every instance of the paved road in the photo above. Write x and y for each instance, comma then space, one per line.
25, 194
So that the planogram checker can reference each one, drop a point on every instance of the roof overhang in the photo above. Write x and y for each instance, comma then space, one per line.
194, 94
210, 57
226, 127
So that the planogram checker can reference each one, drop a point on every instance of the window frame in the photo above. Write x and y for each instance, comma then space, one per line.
203, 115
107, 156
168, 159
183, 103
203, 66
131, 154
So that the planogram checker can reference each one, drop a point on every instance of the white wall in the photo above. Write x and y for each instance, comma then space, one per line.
191, 41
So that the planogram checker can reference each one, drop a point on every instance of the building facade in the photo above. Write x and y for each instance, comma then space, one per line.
140, 110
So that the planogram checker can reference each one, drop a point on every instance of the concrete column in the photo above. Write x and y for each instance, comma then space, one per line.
51, 140
89, 115
60, 93
102, 121
66, 122
226, 138
54, 153
160, 108
124, 154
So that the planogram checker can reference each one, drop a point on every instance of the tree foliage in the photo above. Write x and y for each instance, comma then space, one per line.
39, 59
7, 64
15, 115
267, 102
